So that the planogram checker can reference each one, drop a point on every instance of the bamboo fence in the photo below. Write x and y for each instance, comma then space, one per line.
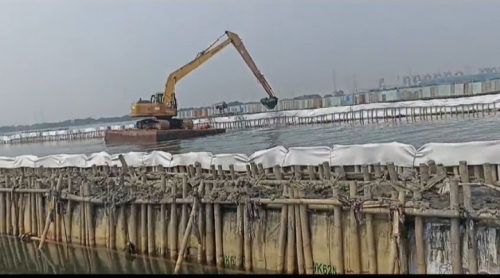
45, 204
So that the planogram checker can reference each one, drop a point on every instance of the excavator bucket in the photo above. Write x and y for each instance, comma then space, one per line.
269, 103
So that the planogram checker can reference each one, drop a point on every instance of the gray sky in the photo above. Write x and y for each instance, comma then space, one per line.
73, 59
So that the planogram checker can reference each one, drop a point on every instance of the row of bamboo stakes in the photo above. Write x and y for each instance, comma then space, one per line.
368, 115
295, 248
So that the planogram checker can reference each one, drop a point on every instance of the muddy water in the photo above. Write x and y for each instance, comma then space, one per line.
18, 257
456, 129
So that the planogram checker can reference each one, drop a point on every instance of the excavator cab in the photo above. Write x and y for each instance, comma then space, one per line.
157, 98
269, 102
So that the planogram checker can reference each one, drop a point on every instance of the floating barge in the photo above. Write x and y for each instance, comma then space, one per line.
113, 137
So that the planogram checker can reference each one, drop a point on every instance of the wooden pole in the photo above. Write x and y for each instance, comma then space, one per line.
184, 211
419, 238
353, 227
173, 223
240, 210
187, 234
201, 220
219, 255
50, 216
163, 214
298, 229
90, 217
338, 241
8, 206
372, 250
69, 210
393, 263
151, 229
210, 232
306, 237
283, 224
247, 227
403, 244
2, 210
456, 258
470, 225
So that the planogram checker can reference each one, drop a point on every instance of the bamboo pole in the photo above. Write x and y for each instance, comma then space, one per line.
3, 228
50, 216
283, 224
201, 220
8, 205
15, 210
470, 225
338, 241
184, 212
187, 234
419, 238
298, 229
28, 209
210, 233
40, 211
143, 221
239, 226
488, 176
354, 236
393, 263
151, 229
456, 258
173, 228
218, 226
89, 214
372, 250
163, 215
247, 228
69, 211
58, 215
133, 224
122, 218
403, 245
306, 237
83, 218
21, 209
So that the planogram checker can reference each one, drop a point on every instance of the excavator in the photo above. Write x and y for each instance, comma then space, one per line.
161, 108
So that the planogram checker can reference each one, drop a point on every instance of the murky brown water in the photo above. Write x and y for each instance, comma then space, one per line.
18, 257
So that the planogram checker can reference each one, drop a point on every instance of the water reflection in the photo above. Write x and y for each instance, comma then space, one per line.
18, 257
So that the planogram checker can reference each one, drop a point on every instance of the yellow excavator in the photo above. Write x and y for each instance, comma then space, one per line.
161, 108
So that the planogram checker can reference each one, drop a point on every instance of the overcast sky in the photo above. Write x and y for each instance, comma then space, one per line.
62, 59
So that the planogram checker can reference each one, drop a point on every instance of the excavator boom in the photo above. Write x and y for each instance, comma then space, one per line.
163, 106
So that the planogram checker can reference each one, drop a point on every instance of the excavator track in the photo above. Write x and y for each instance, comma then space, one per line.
163, 124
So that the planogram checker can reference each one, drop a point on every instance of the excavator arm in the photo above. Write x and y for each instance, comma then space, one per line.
272, 100
202, 57
164, 105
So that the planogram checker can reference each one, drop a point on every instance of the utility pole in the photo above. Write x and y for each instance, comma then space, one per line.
354, 84
334, 81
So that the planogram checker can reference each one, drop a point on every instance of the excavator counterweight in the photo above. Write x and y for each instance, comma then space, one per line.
161, 108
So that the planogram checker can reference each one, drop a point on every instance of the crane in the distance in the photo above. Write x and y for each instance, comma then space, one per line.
162, 107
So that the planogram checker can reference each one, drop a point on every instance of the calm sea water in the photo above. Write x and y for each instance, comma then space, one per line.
18, 257
456, 129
